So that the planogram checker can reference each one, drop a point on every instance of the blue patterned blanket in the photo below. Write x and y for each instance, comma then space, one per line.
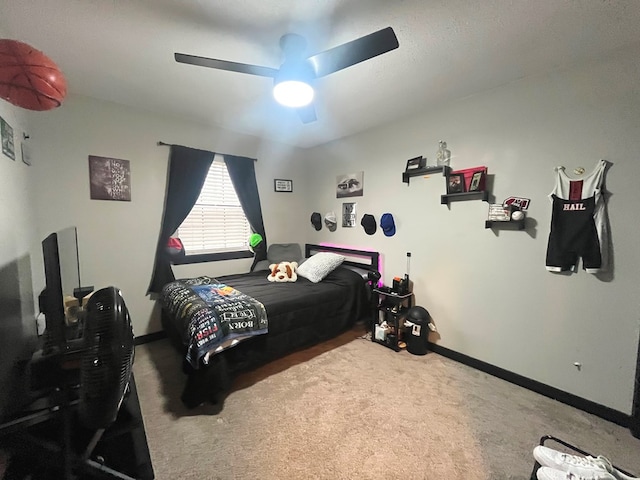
213, 316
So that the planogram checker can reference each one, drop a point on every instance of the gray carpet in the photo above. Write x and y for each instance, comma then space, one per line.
353, 409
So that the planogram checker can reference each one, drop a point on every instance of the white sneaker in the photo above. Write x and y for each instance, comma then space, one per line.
547, 473
583, 467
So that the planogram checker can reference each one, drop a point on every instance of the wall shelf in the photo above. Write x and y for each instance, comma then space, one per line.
511, 224
481, 194
424, 171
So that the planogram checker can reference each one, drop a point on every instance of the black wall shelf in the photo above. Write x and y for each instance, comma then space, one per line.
481, 194
511, 224
424, 171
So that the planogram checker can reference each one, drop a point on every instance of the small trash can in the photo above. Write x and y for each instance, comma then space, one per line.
416, 330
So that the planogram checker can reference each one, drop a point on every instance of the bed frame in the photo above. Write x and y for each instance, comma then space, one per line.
353, 258
212, 383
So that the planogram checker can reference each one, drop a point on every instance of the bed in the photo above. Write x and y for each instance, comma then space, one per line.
298, 314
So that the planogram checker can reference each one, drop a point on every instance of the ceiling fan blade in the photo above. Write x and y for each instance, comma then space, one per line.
226, 65
307, 114
353, 52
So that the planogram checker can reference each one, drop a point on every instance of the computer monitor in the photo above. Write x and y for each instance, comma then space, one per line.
62, 279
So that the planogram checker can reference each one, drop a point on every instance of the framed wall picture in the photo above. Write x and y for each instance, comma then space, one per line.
110, 179
455, 183
350, 185
476, 182
282, 185
6, 131
348, 214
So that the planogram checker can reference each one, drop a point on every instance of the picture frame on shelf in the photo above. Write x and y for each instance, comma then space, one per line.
455, 183
282, 185
499, 212
475, 184
416, 163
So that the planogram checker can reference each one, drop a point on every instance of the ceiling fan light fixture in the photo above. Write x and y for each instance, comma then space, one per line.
295, 80
293, 93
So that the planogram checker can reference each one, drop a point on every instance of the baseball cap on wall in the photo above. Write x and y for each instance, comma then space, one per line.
368, 222
316, 220
330, 221
387, 224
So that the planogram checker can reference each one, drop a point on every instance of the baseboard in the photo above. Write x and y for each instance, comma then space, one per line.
634, 426
150, 337
580, 403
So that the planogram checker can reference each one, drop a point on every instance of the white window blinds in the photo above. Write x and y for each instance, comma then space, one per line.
216, 223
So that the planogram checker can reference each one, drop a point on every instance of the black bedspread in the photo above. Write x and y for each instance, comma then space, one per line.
291, 305
299, 314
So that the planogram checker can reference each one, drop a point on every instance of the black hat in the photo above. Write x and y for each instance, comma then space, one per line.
369, 224
316, 220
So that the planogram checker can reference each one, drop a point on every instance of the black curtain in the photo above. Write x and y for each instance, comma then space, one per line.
242, 172
188, 168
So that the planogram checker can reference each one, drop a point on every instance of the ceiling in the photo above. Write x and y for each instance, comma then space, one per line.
122, 51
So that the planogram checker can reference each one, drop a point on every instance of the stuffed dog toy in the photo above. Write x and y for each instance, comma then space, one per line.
283, 272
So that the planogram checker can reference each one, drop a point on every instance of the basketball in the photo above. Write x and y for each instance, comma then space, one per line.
28, 78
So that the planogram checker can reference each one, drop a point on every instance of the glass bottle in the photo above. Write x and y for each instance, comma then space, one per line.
443, 156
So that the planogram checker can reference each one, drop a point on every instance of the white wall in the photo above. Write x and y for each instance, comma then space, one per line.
117, 239
488, 291
17, 316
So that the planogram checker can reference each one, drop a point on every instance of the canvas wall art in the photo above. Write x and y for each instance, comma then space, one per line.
110, 179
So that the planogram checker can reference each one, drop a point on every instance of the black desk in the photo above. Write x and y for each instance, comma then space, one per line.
123, 446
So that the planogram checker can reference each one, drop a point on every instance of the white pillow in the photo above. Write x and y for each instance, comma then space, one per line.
319, 266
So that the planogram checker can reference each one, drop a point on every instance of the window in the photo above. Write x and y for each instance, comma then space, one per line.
216, 224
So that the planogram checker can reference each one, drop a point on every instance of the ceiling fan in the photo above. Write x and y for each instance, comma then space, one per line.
293, 81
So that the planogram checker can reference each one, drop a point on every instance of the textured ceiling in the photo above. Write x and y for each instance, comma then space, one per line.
122, 51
